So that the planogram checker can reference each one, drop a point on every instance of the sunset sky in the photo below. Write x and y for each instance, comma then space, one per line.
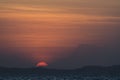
64, 33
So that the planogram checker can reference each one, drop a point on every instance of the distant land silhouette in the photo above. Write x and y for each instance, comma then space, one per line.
115, 68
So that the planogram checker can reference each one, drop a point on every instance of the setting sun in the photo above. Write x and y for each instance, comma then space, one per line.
42, 64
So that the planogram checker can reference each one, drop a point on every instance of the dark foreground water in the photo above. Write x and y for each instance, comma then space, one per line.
87, 73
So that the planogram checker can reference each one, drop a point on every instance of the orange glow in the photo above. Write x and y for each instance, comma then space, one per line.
42, 64
49, 30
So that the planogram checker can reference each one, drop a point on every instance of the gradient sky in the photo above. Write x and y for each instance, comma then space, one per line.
64, 33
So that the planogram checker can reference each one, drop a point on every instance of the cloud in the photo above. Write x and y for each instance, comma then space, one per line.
109, 19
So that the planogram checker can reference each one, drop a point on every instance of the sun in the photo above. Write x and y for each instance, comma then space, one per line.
42, 64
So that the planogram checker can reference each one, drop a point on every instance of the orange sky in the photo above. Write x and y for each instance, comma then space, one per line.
29, 25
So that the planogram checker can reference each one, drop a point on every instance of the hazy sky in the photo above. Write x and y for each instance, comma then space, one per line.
64, 33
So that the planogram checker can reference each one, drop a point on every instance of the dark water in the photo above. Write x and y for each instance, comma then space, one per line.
112, 73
